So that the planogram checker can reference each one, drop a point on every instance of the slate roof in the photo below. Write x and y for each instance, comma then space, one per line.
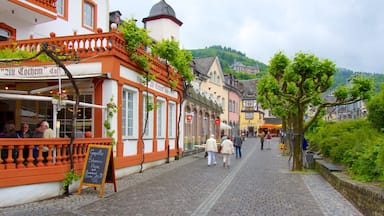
202, 65
162, 8
248, 88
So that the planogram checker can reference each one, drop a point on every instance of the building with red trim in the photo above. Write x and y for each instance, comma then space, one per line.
103, 72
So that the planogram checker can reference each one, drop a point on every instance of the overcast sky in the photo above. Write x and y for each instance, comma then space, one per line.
348, 32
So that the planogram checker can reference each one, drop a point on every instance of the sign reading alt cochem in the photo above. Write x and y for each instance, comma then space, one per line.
50, 71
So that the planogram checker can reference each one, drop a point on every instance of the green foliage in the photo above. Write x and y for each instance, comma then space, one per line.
135, 37
112, 109
227, 57
70, 177
179, 58
343, 75
16, 53
375, 109
353, 143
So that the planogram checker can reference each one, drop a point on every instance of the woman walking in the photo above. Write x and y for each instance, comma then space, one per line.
227, 150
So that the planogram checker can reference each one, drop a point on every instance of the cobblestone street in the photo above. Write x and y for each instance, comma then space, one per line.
257, 184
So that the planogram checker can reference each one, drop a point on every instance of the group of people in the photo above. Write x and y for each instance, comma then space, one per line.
226, 148
265, 136
42, 130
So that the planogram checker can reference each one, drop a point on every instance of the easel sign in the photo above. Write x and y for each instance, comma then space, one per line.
98, 164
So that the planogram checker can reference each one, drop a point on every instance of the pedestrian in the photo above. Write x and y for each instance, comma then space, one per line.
9, 132
211, 149
24, 131
227, 150
262, 136
238, 142
269, 137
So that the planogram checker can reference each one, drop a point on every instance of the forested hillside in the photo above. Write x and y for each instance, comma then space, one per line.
228, 56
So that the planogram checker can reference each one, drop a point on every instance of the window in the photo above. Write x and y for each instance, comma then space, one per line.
62, 8
160, 123
6, 32
129, 111
89, 15
171, 120
147, 127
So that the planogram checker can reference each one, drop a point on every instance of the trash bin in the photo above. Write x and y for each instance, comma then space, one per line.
309, 161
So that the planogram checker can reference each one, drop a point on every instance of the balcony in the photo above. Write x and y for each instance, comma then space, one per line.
94, 45
29, 11
38, 160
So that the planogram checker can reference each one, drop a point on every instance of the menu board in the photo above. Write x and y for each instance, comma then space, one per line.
96, 166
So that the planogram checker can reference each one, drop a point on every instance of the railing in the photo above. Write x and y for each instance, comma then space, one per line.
47, 4
93, 45
21, 158
81, 45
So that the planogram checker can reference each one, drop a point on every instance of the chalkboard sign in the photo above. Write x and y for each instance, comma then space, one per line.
98, 162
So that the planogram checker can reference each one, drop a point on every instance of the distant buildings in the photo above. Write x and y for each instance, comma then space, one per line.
238, 66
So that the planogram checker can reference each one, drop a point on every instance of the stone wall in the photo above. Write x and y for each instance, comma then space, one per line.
368, 199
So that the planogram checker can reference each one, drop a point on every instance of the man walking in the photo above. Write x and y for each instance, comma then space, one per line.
211, 149
238, 142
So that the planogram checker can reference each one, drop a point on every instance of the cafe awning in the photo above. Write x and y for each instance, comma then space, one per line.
224, 126
271, 126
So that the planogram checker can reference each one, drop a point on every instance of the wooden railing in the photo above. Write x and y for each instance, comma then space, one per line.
47, 4
36, 160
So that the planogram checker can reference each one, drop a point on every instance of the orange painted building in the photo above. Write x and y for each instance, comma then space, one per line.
104, 74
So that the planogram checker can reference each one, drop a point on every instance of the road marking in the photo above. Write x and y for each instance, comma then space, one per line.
210, 201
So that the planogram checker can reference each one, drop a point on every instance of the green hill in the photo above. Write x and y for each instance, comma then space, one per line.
228, 56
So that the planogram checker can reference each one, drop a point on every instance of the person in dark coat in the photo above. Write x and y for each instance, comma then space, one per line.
237, 141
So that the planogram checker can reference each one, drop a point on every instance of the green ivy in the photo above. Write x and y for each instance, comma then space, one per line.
112, 109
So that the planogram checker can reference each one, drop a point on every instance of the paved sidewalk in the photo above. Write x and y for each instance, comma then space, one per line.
257, 184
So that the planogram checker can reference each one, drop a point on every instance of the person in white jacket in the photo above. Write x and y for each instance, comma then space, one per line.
211, 149
227, 150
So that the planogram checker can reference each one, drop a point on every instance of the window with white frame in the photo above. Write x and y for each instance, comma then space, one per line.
147, 127
160, 117
89, 14
171, 120
130, 111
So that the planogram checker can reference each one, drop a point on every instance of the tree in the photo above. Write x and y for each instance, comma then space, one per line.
376, 110
291, 86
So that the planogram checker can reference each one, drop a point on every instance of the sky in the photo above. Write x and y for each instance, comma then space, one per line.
350, 33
